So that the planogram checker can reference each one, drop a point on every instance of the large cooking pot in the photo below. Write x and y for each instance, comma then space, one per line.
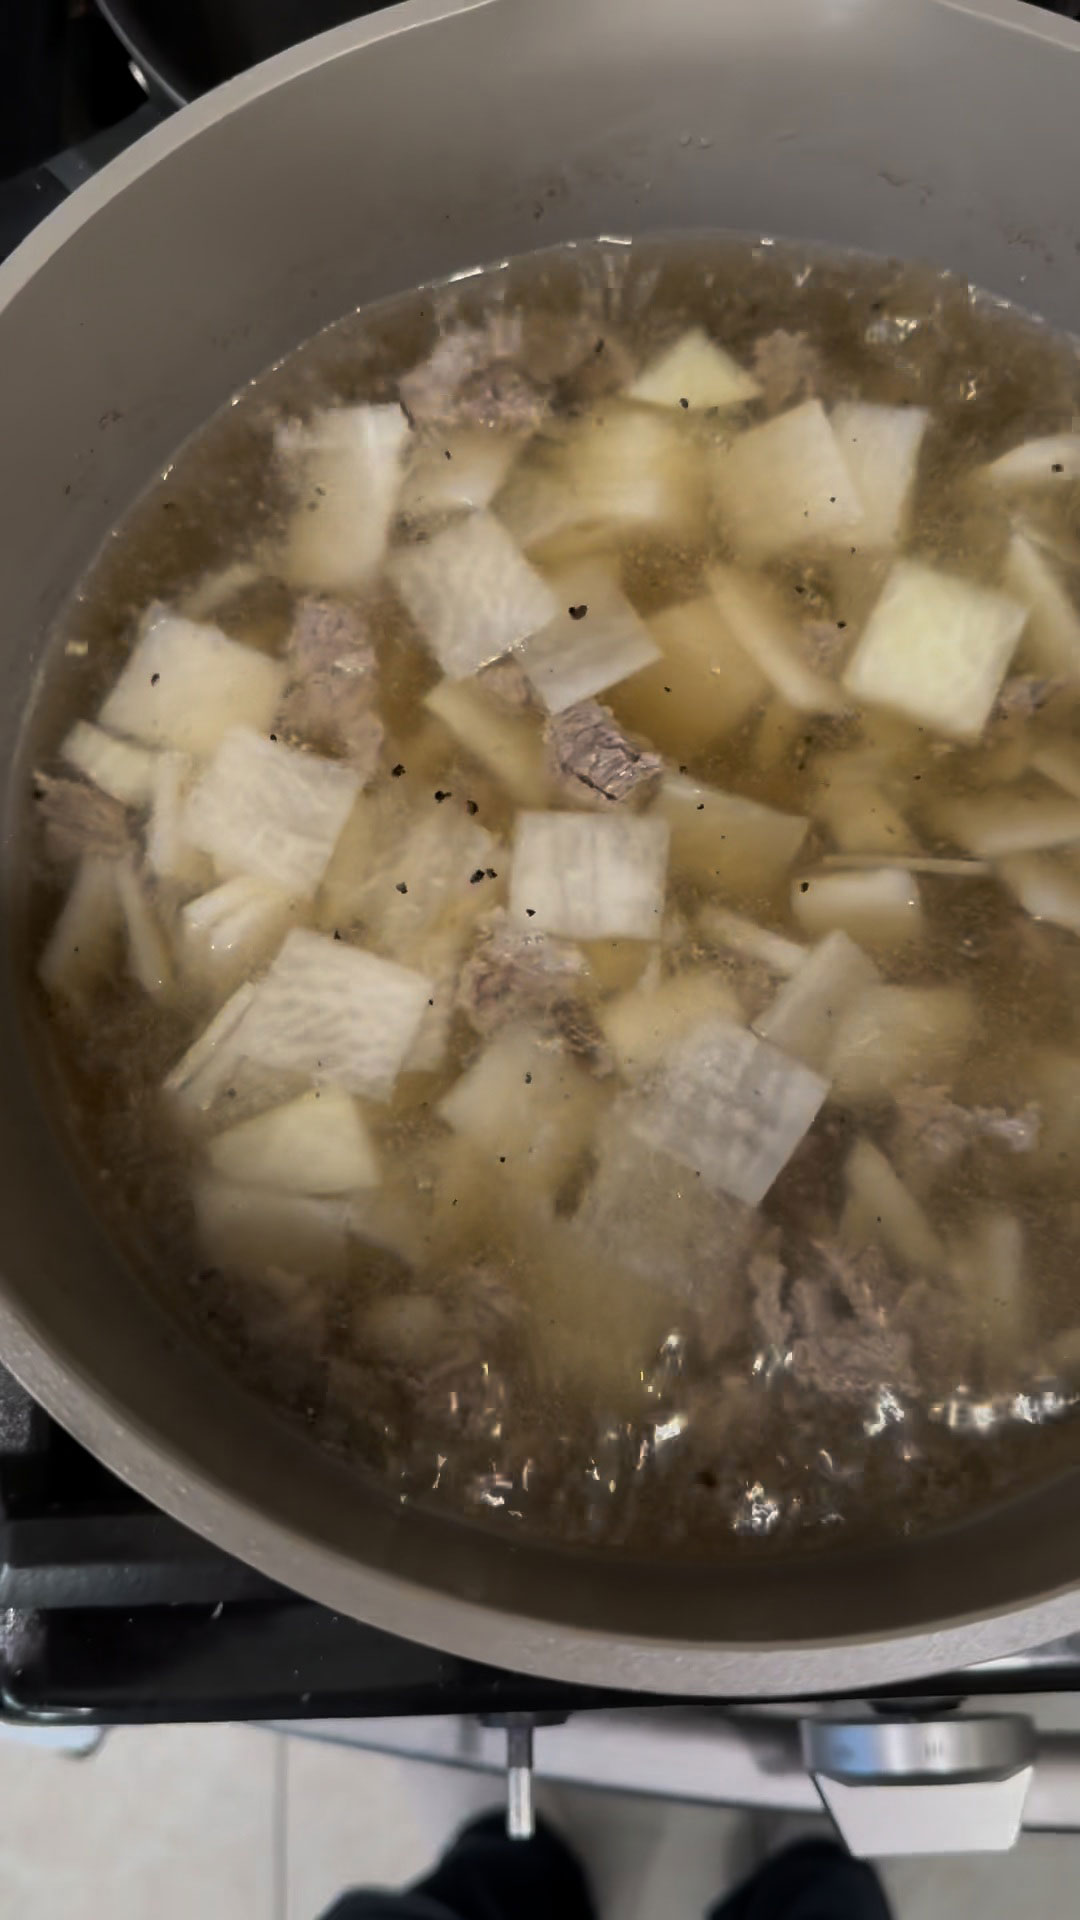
417, 141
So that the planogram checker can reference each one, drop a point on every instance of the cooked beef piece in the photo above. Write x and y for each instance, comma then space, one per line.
473, 377
512, 974
329, 699
767, 1276
850, 1363
589, 749
79, 818
934, 1130
787, 367
832, 1318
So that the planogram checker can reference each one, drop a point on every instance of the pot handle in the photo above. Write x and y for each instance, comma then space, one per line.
919, 1786
27, 197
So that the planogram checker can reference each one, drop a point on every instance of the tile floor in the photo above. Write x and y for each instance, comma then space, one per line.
234, 1823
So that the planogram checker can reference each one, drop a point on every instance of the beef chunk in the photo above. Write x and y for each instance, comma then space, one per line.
1025, 694
79, 818
511, 975
329, 699
831, 1315
589, 749
787, 367
933, 1130
473, 377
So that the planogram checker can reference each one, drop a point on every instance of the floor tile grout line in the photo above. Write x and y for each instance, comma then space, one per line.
279, 1838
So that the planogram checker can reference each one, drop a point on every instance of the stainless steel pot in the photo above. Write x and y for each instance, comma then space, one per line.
416, 142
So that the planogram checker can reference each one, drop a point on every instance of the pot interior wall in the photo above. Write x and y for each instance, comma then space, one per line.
386, 154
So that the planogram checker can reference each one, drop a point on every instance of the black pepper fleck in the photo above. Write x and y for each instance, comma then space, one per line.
528, 1079
530, 911
475, 878
577, 613
1057, 467
491, 873
401, 887
804, 886
440, 795
684, 403
337, 935
154, 678
841, 624
471, 806
396, 772
273, 737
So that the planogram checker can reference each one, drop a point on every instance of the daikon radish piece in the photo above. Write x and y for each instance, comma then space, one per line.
318, 1143
728, 1106
880, 446
804, 1017
744, 937
936, 648
594, 641
148, 958
116, 766
880, 1211
201, 1073
987, 1264
233, 930
270, 810
879, 906
1046, 888
248, 1230
336, 1013
862, 819
694, 372
446, 864
1052, 460
770, 640
640, 1026
589, 876
996, 824
509, 745
890, 1036
459, 469
725, 837
346, 462
374, 826
526, 1107
215, 588
184, 685
169, 853
1052, 636
1059, 761
627, 466
442, 958
472, 593
702, 687
83, 943
649, 1215
786, 485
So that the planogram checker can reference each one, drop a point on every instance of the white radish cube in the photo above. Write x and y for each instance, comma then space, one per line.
251, 1231
936, 648
472, 593
786, 485
880, 906
647, 1214
881, 446
626, 467
772, 642
83, 943
737, 934
508, 744
461, 468
729, 1107
116, 766
702, 687
335, 1013
184, 685
526, 1107
804, 1017
589, 877
580, 653
169, 853
318, 1143
1046, 888
1004, 822
1051, 461
1059, 761
346, 462
641, 1025
880, 1211
892, 1035
1052, 636
428, 873
694, 372
987, 1263
270, 810
148, 958
199, 1076
233, 930
726, 838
